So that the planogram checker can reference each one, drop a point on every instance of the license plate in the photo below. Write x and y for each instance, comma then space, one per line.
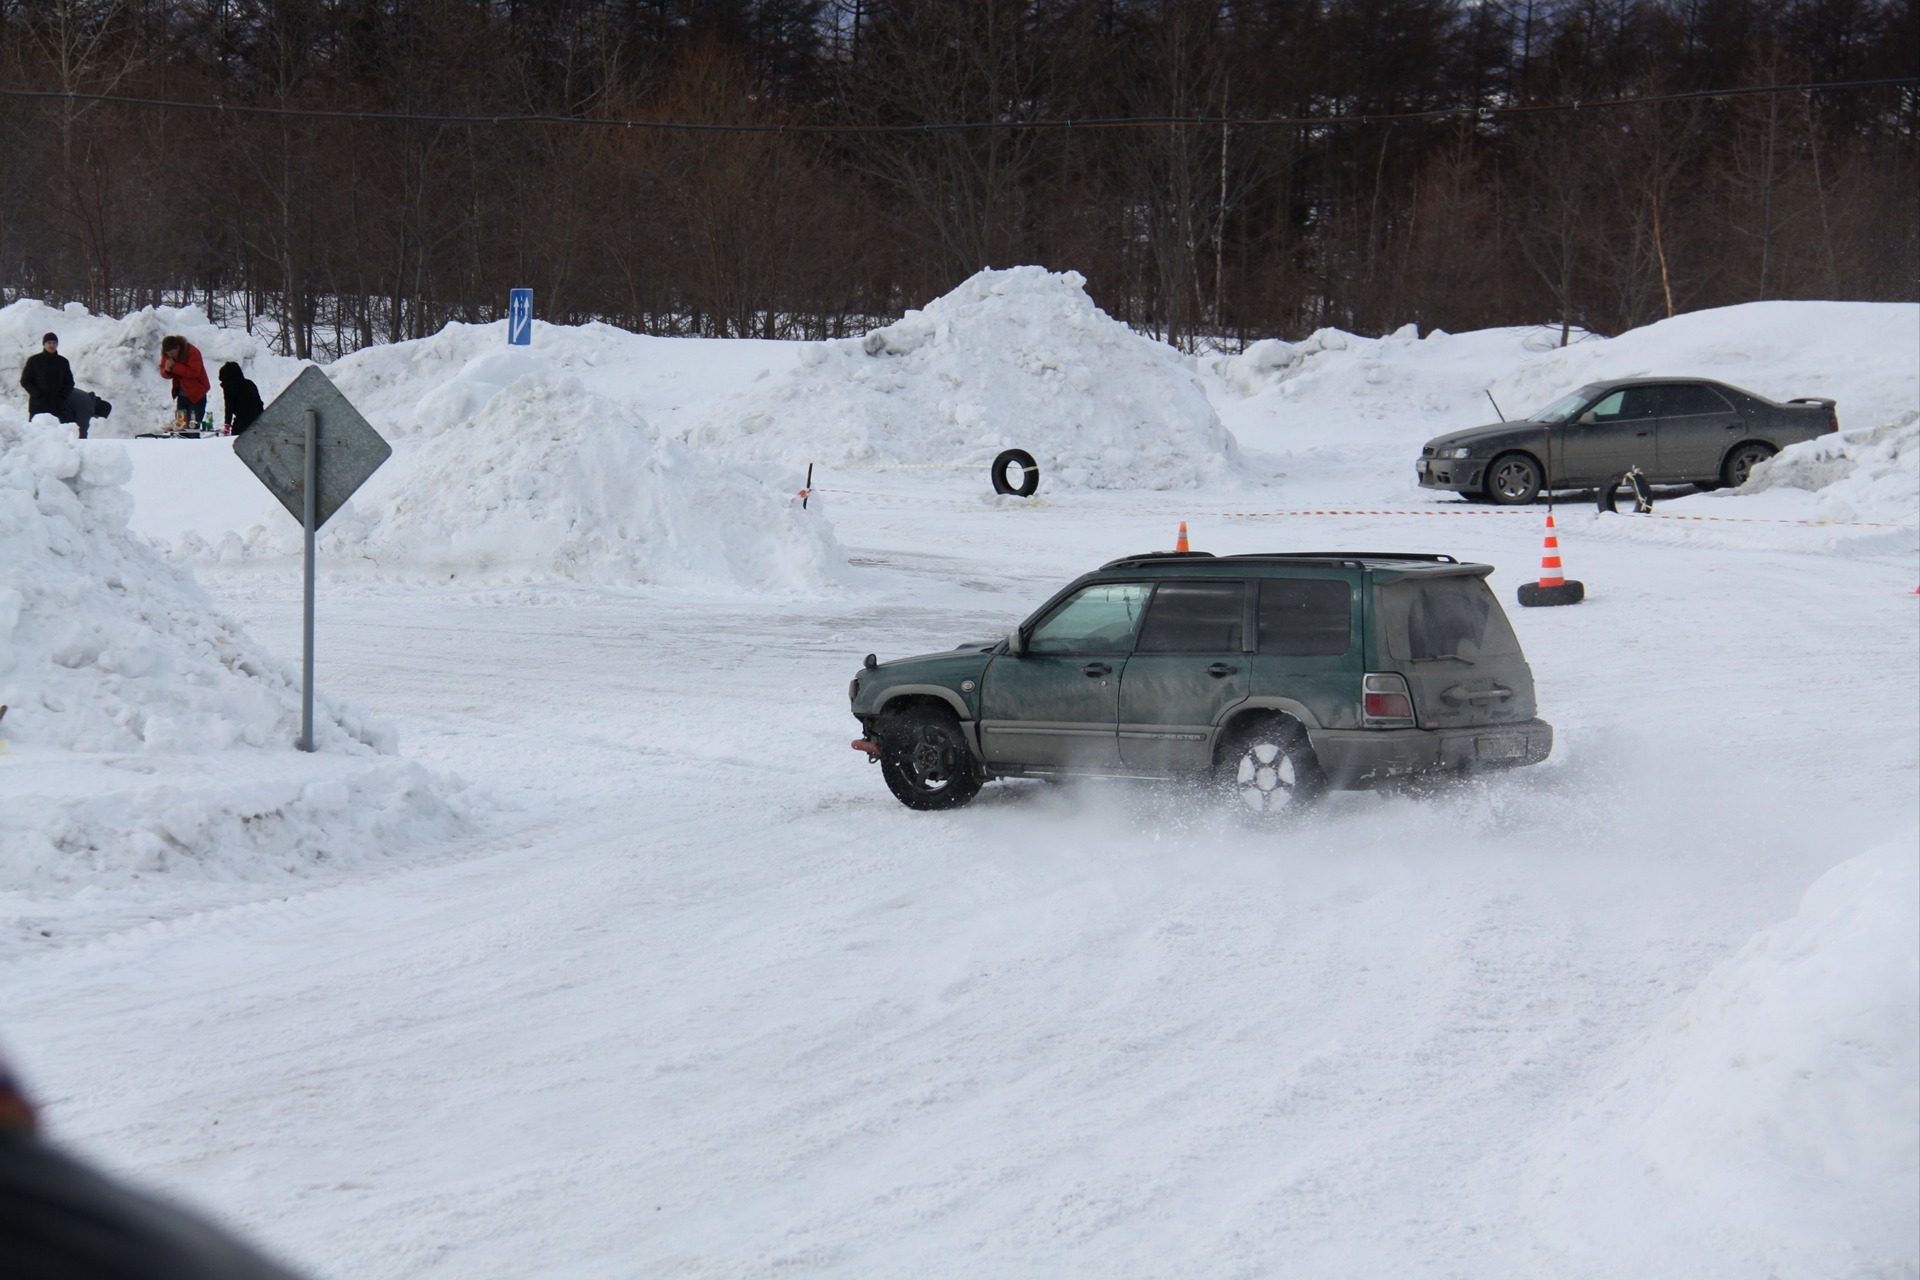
1501, 748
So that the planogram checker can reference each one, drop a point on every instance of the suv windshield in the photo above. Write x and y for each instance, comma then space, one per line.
1424, 619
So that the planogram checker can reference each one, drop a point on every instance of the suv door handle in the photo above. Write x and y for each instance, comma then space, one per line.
1097, 669
1220, 670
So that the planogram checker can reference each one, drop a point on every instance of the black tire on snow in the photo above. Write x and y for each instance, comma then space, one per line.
1029, 473
1636, 486
1513, 479
1268, 766
1535, 596
925, 759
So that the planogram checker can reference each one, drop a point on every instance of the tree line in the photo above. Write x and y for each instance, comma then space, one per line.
1359, 163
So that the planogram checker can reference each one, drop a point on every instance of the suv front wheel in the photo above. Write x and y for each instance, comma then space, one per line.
1268, 767
925, 760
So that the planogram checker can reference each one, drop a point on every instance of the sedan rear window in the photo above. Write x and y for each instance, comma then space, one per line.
1426, 619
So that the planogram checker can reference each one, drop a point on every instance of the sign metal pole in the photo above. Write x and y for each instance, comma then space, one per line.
309, 522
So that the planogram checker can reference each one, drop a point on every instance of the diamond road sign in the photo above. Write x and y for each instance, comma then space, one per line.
274, 447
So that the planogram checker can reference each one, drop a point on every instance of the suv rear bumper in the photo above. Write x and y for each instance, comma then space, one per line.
1359, 758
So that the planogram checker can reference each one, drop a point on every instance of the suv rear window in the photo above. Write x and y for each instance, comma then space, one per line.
1194, 617
1305, 617
1456, 616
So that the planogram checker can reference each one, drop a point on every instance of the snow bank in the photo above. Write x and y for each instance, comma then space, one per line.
222, 817
1778, 1110
1018, 358
510, 469
120, 359
1871, 475
104, 646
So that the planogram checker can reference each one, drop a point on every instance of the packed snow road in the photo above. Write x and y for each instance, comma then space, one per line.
701, 999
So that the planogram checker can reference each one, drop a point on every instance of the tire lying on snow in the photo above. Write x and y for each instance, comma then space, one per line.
1029, 473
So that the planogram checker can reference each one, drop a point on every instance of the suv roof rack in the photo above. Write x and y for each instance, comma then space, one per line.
1342, 558
1426, 556
1149, 557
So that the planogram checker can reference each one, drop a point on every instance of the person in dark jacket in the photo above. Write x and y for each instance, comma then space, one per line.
180, 360
48, 380
241, 396
59, 1220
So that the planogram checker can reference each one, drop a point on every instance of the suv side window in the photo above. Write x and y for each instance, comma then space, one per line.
1195, 617
1098, 619
1305, 617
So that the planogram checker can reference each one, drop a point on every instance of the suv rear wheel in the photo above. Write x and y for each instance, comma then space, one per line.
925, 760
1268, 766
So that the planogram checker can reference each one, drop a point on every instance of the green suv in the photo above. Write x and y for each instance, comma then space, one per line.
1273, 677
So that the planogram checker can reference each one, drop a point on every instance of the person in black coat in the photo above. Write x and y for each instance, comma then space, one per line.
48, 379
242, 398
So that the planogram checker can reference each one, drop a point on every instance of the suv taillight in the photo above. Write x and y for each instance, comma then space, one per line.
1387, 704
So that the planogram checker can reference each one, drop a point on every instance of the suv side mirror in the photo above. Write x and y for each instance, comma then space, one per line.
1016, 643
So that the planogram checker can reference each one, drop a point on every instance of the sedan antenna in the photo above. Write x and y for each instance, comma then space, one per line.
1496, 405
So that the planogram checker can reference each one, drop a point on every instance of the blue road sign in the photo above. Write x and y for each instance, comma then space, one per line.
520, 318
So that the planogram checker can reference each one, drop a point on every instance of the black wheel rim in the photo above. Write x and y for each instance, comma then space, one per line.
930, 763
1513, 480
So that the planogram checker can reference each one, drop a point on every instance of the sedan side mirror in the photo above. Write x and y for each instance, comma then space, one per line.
1586, 419
1016, 643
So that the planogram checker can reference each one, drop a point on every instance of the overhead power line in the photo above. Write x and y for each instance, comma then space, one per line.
959, 126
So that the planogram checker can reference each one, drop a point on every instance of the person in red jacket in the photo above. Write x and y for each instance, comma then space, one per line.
180, 360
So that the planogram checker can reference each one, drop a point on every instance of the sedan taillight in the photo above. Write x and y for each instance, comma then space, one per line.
1387, 704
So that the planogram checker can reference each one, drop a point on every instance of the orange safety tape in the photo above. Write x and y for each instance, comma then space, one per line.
1383, 511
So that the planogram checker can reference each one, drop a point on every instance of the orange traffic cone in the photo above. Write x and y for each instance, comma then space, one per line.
1180, 543
1553, 587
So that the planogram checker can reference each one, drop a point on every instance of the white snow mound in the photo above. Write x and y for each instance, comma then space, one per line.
1020, 358
517, 473
1871, 475
104, 646
119, 359
1778, 1109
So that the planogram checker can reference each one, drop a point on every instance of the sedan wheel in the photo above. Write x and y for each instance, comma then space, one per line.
1513, 479
1741, 462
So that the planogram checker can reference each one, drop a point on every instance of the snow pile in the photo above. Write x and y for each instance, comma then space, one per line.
1018, 358
229, 817
145, 732
515, 471
106, 647
1778, 1109
1871, 475
119, 359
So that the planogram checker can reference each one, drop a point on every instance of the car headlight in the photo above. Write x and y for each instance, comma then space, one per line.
1458, 451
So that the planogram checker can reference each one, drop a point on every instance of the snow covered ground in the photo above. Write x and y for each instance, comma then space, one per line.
626, 965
